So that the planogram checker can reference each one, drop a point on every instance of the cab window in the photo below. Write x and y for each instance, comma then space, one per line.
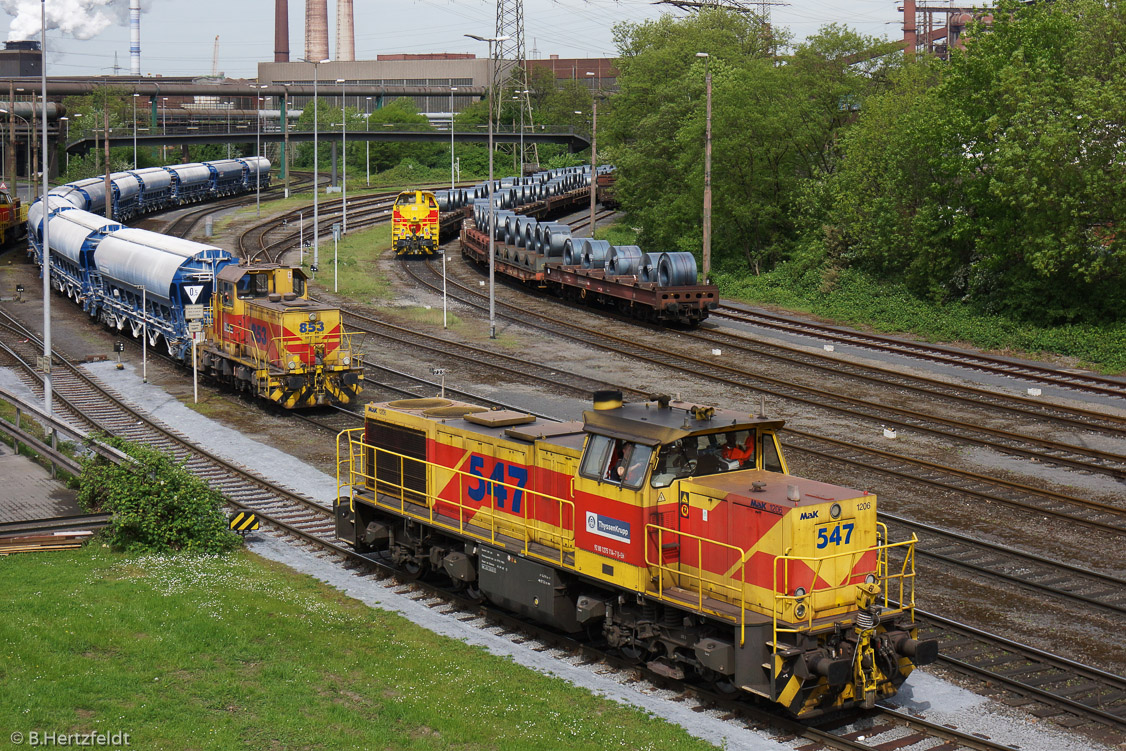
771, 462
298, 286
405, 199
616, 461
430, 202
226, 294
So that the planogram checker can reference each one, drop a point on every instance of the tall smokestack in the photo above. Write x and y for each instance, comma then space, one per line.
135, 37
316, 30
281, 31
345, 31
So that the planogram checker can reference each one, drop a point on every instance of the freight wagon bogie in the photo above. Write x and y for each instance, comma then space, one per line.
671, 532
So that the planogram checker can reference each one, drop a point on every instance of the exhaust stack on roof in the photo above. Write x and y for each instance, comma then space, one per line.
281, 31
345, 31
316, 30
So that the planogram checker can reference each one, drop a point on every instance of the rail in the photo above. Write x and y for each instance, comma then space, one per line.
530, 530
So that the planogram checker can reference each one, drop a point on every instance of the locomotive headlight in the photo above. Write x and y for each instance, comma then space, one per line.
799, 611
312, 316
870, 579
346, 360
292, 364
835, 511
799, 592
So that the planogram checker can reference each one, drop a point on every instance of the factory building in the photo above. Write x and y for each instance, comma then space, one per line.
438, 72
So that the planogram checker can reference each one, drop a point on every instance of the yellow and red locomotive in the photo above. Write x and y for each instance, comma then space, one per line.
265, 336
414, 223
671, 531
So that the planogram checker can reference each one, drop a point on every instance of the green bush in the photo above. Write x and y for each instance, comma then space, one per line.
156, 505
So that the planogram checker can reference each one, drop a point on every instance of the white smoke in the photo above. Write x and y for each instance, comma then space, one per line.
81, 19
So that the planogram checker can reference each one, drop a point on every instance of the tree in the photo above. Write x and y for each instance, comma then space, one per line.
997, 177
775, 125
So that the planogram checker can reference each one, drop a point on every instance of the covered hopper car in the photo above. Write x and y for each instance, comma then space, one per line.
669, 531
253, 326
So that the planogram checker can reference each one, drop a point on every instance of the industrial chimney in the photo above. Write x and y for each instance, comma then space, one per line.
281, 31
316, 30
345, 31
135, 37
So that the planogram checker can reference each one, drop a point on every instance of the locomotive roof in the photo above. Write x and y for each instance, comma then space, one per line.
664, 421
775, 488
519, 427
235, 271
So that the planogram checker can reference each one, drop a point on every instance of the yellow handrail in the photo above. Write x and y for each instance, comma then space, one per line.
904, 580
365, 476
699, 575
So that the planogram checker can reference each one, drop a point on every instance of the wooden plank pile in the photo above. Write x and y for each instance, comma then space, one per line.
35, 543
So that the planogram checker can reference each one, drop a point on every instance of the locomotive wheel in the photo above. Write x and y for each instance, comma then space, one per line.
413, 571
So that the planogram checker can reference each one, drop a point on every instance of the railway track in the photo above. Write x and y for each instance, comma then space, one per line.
86, 403
991, 400
1110, 463
1088, 382
311, 523
1091, 513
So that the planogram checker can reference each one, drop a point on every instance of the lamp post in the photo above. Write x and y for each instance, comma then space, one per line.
316, 154
344, 148
367, 145
46, 222
523, 95
164, 128
135, 130
492, 205
66, 139
258, 149
452, 181
707, 168
593, 149
230, 106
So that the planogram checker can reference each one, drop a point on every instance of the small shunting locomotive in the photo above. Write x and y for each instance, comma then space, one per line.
267, 337
414, 223
668, 531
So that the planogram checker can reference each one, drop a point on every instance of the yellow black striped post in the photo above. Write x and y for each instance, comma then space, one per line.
244, 521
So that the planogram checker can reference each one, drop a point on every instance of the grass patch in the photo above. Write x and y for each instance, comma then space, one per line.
618, 233
358, 274
234, 653
851, 297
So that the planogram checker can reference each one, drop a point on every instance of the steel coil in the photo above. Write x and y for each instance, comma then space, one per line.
510, 226
623, 260
570, 254
530, 234
552, 237
647, 267
594, 253
676, 270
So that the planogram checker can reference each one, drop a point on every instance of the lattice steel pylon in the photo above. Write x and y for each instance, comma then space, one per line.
761, 7
510, 56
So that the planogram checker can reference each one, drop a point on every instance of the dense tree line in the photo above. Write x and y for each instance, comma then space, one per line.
995, 177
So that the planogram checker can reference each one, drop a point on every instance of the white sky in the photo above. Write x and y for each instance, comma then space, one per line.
177, 36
